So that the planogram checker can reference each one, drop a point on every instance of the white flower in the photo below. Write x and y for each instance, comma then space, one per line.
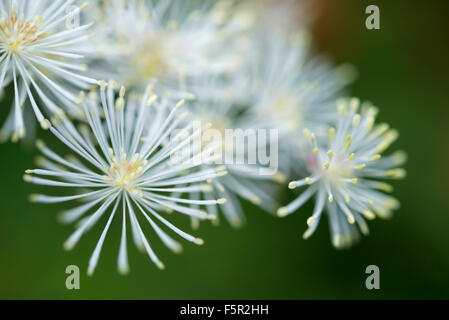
167, 41
129, 173
38, 54
344, 173
290, 90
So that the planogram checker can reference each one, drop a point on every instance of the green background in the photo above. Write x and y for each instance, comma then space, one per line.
403, 69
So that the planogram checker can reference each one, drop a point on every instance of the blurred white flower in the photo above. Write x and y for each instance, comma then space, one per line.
126, 170
168, 41
284, 15
344, 172
290, 90
38, 54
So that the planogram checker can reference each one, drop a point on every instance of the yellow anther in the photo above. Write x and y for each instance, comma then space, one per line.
255, 200
280, 178
119, 103
351, 219
390, 137
399, 157
360, 167
282, 212
354, 180
369, 214
354, 104
180, 103
385, 187
348, 142
40, 145
341, 106
331, 133
152, 99
382, 128
356, 120
369, 123
397, 173
306, 133
122, 91
311, 221
45, 124
199, 241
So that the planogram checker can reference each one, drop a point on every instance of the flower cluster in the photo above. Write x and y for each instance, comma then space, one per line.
193, 70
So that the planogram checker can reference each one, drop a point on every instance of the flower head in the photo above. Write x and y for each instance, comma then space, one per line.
344, 171
124, 167
37, 55
167, 41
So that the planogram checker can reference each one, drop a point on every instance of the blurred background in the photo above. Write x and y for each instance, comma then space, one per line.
403, 69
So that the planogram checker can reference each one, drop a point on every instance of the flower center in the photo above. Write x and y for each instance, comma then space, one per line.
17, 34
338, 171
124, 174
284, 105
148, 60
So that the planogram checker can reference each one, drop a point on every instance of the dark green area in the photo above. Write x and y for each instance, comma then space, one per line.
403, 69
